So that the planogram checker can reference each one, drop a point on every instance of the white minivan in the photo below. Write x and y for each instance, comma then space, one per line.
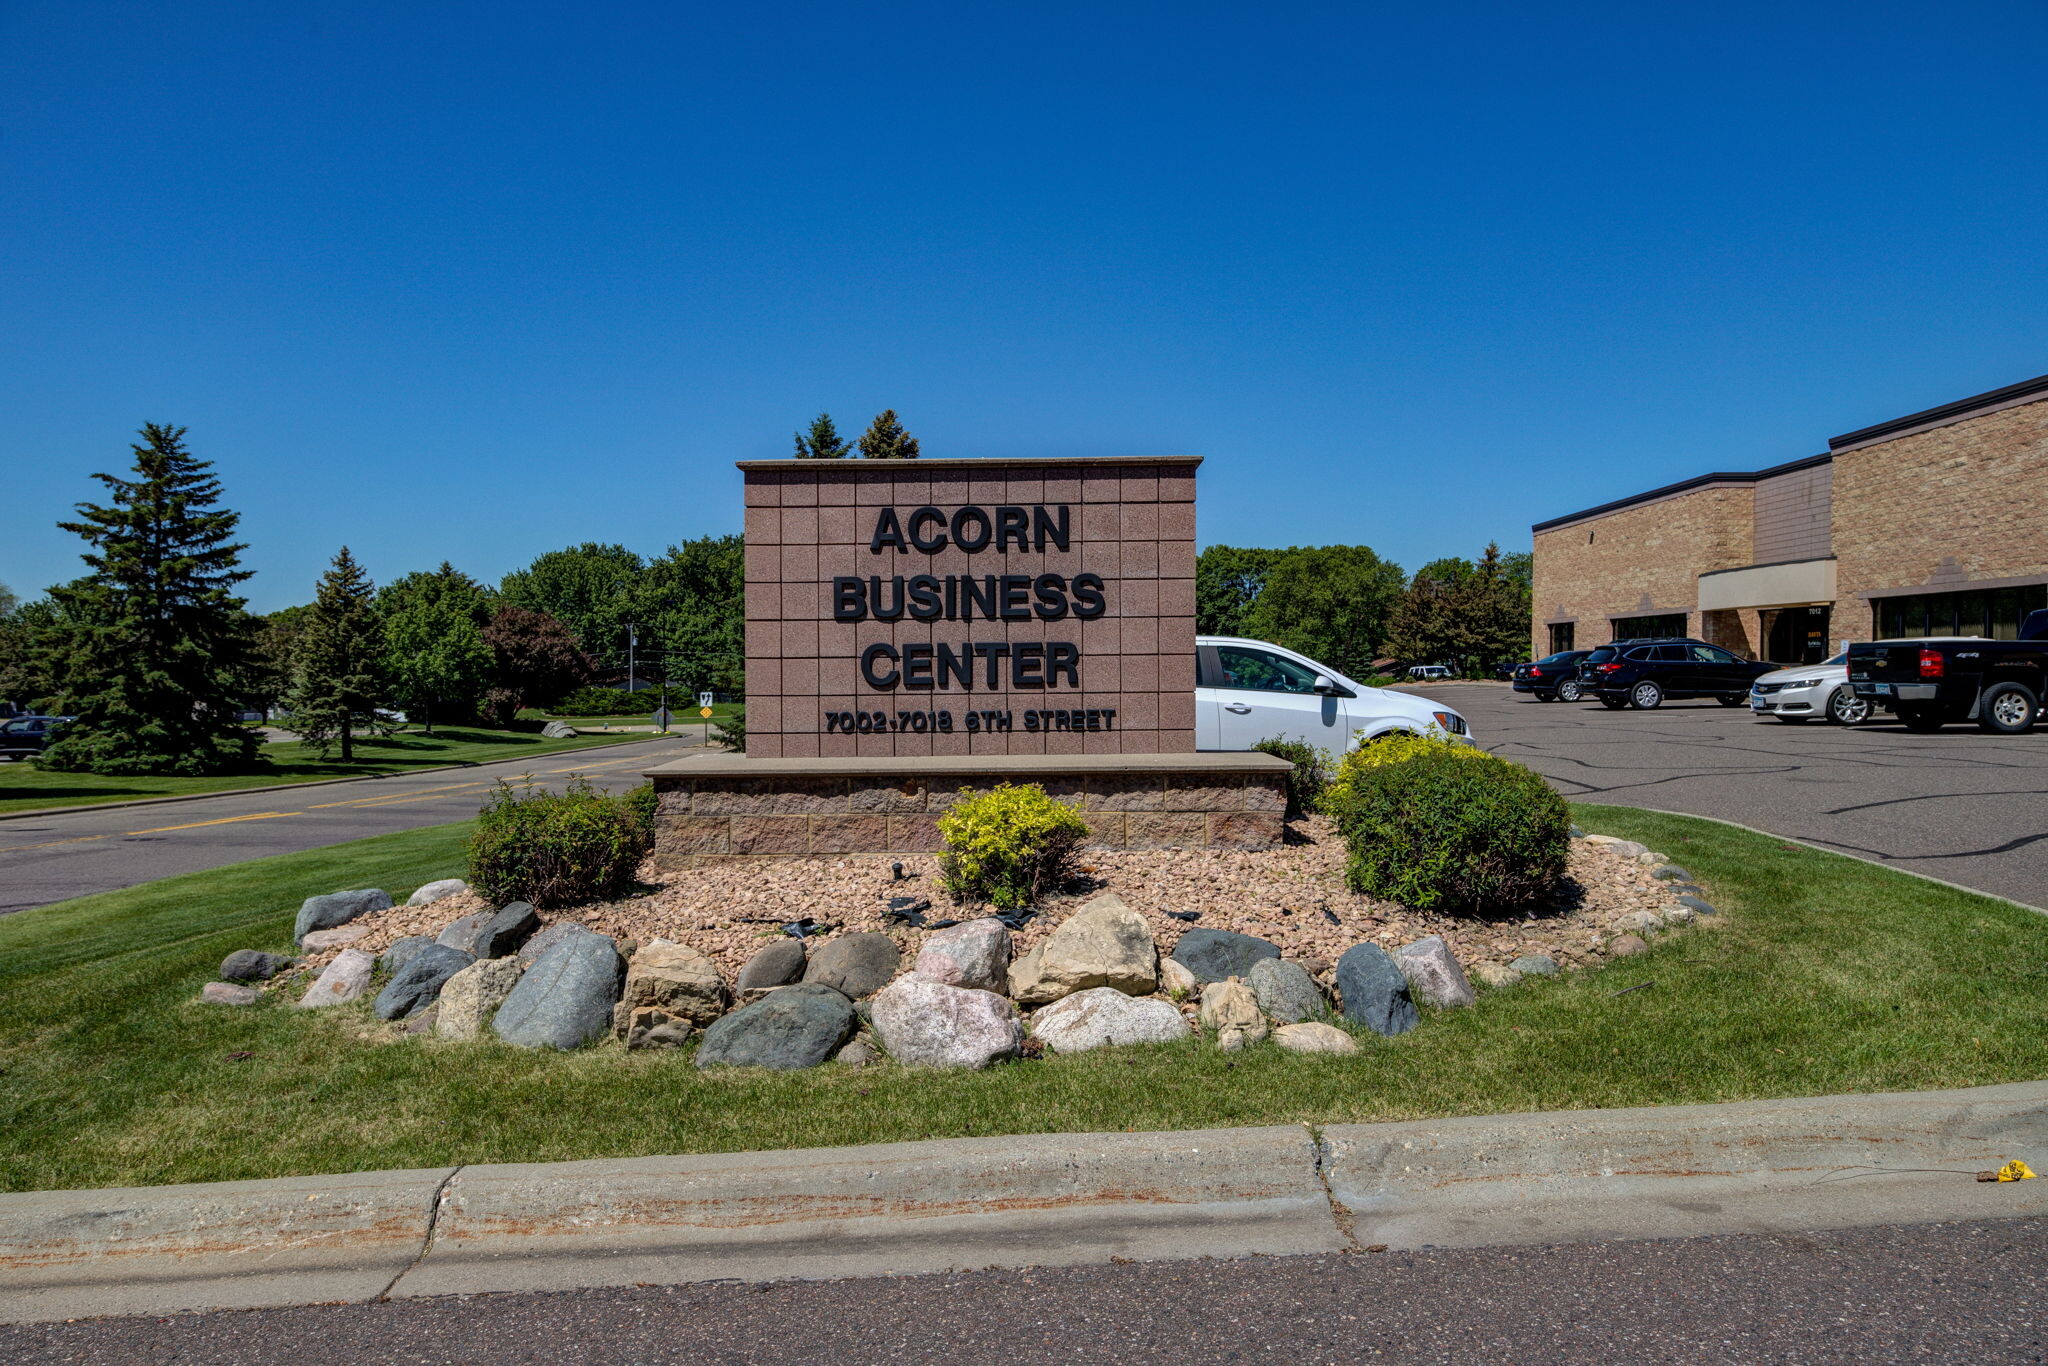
1251, 690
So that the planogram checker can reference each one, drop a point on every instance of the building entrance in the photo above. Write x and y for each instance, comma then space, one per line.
1797, 635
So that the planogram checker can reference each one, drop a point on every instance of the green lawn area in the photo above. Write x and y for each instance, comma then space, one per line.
24, 787
1825, 975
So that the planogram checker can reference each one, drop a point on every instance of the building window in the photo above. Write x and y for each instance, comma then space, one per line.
1639, 628
1561, 637
1996, 613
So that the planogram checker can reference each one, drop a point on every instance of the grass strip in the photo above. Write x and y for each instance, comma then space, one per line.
1825, 975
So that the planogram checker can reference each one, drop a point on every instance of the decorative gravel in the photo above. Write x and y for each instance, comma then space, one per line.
1294, 896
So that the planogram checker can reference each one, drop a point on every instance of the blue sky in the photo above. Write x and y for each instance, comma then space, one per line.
476, 281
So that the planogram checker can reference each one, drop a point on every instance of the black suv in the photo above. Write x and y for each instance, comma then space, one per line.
1553, 678
1642, 673
26, 735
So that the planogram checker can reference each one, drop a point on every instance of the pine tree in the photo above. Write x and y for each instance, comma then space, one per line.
822, 441
885, 439
156, 640
1487, 616
434, 651
337, 661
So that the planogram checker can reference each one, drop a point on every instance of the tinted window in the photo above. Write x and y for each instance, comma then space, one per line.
1262, 670
1602, 655
1641, 652
1707, 654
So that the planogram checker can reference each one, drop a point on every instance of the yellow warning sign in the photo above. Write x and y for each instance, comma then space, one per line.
703, 711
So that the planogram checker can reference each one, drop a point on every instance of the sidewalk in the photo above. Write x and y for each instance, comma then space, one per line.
1051, 1199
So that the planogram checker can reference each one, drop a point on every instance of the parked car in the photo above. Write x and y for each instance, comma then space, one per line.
27, 735
1806, 691
1928, 683
1250, 690
1553, 678
1643, 673
1422, 673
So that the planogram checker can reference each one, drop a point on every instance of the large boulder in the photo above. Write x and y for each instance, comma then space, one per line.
677, 979
1433, 973
319, 941
336, 908
1104, 1015
463, 933
777, 965
419, 982
1314, 1038
437, 891
1218, 955
547, 939
1535, 965
473, 995
1104, 944
344, 979
797, 1026
565, 999
1374, 992
402, 951
975, 955
252, 965
854, 965
930, 1024
506, 930
1231, 1012
1285, 990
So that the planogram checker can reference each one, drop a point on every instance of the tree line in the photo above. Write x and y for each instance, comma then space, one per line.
157, 656
1353, 610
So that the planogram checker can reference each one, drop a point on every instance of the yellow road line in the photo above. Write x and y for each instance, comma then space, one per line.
591, 768
400, 801
356, 801
52, 844
224, 820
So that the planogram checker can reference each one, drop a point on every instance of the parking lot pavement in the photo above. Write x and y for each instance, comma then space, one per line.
78, 852
1959, 804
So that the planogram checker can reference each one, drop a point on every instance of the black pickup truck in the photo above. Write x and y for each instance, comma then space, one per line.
1999, 684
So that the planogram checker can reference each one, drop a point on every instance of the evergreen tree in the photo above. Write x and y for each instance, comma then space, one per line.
434, 651
885, 439
156, 642
1487, 616
337, 661
822, 441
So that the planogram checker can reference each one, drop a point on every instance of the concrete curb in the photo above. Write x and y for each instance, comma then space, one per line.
1048, 1199
293, 787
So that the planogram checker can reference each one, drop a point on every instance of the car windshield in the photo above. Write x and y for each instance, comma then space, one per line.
1842, 658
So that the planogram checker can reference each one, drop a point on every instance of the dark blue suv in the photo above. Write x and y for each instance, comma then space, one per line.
1642, 673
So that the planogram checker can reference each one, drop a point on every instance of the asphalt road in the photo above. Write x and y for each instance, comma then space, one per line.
1975, 1292
73, 853
1960, 805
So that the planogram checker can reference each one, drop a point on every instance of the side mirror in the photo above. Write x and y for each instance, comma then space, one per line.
1323, 684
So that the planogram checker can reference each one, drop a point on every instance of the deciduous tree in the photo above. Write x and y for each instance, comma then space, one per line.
535, 660
1330, 602
434, 651
593, 588
1228, 580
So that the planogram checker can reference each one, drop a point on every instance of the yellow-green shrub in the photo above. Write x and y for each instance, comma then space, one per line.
1392, 749
1008, 846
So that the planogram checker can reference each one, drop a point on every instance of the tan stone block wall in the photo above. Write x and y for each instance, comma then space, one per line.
1935, 509
700, 818
1638, 562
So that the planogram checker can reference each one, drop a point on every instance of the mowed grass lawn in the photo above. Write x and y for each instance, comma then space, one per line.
25, 787
1824, 975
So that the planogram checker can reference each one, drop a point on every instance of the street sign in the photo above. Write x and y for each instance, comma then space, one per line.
663, 717
703, 711
704, 701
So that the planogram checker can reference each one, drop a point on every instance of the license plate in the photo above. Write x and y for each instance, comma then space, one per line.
1881, 689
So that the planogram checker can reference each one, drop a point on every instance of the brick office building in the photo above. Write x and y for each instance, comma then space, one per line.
1932, 523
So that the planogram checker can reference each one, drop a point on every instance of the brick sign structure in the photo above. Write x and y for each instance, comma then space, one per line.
955, 607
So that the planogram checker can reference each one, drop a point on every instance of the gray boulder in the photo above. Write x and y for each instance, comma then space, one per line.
1697, 905
336, 908
463, 934
1535, 965
1217, 955
344, 979
402, 951
1374, 992
975, 955
436, 891
777, 965
1285, 990
1434, 973
228, 994
565, 999
930, 1024
1101, 1016
558, 730
252, 965
798, 1026
854, 965
505, 931
471, 997
548, 938
1670, 872
419, 982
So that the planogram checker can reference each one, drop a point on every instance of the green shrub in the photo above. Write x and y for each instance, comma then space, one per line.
731, 733
558, 849
1391, 749
1008, 846
1436, 831
606, 702
1311, 771
641, 804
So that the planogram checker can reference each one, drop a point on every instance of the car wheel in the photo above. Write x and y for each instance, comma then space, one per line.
1845, 708
1923, 720
2008, 709
1546, 697
1732, 699
1646, 696
1614, 703
1568, 691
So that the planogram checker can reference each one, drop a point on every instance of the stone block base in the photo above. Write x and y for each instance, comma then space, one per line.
731, 806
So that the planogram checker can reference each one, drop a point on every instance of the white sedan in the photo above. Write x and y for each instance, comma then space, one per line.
1806, 691
1250, 690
